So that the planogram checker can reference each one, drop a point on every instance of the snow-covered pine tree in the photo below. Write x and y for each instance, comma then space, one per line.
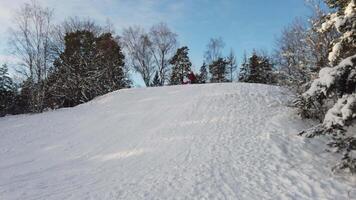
181, 66
6, 83
292, 56
332, 97
7, 92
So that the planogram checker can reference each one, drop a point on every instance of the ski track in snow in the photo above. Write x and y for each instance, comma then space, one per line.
213, 141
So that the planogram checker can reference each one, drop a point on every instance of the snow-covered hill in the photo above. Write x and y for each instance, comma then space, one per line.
213, 141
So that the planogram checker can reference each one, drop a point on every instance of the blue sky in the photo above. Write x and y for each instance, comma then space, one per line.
243, 24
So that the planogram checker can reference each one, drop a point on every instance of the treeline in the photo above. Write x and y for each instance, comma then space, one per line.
66, 64
217, 68
156, 57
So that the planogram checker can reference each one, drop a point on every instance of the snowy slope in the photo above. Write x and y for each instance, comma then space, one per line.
218, 141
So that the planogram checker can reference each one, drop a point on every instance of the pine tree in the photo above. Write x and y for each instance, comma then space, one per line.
7, 92
231, 66
267, 67
22, 102
6, 83
244, 70
110, 65
203, 75
218, 71
89, 66
258, 69
181, 66
331, 98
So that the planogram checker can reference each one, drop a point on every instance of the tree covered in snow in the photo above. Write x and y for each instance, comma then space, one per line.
302, 50
181, 66
292, 55
331, 97
6, 83
7, 92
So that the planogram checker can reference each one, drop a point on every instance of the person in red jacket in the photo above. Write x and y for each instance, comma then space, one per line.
192, 78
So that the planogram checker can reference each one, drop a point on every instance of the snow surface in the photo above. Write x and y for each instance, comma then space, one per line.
328, 76
341, 112
213, 141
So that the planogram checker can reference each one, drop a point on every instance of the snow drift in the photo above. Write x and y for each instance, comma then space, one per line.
213, 141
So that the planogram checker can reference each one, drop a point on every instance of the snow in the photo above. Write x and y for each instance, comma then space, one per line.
341, 112
333, 18
335, 52
338, 21
350, 9
327, 77
212, 141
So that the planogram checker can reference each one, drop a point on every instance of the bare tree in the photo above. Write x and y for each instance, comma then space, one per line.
319, 42
71, 25
302, 50
138, 47
164, 44
231, 65
293, 53
214, 50
30, 41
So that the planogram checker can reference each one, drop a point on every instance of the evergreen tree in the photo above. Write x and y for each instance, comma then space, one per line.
218, 70
181, 66
22, 102
110, 65
231, 66
7, 92
203, 75
89, 66
6, 83
244, 70
258, 69
331, 98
